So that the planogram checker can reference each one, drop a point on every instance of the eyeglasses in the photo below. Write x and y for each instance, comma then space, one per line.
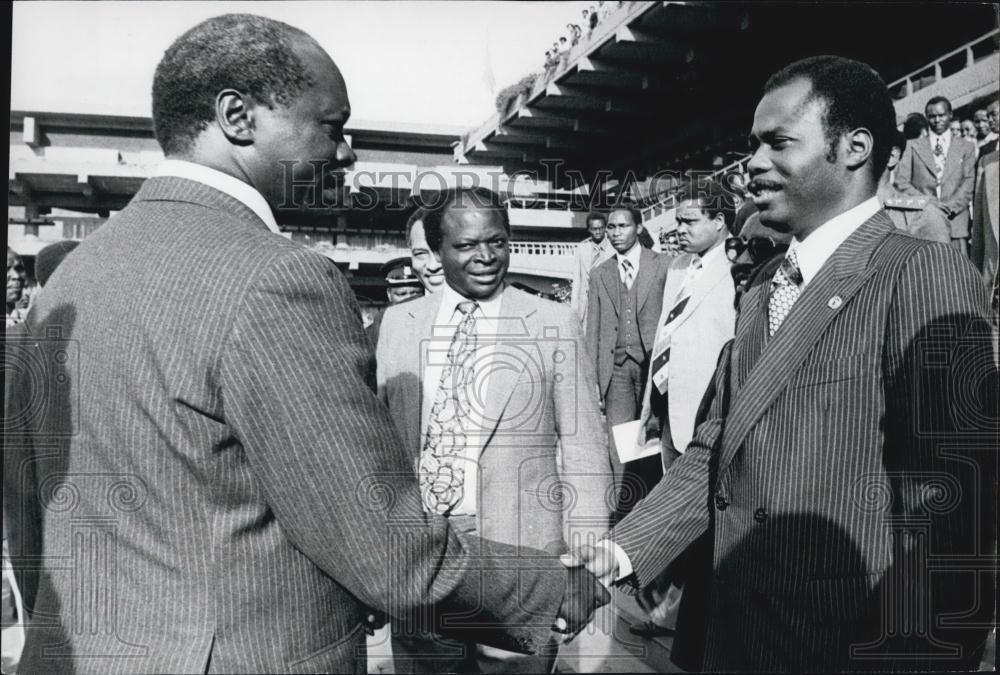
760, 248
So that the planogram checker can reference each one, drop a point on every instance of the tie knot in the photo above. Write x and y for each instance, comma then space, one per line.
467, 307
626, 264
790, 269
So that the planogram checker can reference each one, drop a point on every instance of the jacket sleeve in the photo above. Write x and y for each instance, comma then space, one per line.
904, 173
586, 467
298, 384
593, 334
941, 453
676, 512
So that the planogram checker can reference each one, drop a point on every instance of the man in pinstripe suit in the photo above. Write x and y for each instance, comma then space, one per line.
220, 490
844, 470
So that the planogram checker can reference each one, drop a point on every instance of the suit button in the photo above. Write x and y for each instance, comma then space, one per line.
760, 515
721, 503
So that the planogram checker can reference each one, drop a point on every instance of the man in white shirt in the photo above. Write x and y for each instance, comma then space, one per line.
493, 394
697, 319
590, 253
849, 448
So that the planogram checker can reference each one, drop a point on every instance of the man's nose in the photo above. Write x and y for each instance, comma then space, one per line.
759, 162
345, 154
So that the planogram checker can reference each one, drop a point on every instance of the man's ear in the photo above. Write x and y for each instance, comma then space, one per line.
234, 113
858, 147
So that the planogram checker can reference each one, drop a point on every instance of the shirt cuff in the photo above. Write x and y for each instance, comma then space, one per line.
624, 564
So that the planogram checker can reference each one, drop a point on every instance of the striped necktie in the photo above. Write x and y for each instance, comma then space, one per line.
442, 479
661, 347
627, 272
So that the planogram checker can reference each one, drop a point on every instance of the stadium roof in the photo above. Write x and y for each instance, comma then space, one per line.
663, 85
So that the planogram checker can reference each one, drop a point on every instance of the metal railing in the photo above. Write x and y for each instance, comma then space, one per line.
974, 51
668, 200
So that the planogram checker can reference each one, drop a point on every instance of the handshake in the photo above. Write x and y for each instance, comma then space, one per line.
592, 569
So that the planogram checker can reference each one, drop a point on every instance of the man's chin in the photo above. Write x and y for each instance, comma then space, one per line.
774, 220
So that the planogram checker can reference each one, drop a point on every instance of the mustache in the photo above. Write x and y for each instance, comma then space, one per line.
760, 184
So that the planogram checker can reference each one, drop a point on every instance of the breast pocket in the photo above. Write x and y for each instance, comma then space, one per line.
834, 370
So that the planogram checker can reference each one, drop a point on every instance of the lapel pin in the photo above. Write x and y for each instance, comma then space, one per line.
835, 302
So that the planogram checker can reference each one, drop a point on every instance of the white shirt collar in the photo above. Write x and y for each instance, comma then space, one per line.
632, 255
234, 187
713, 254
945, 139
813, 251
450, 299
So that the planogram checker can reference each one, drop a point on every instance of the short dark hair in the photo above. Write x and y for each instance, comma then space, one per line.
596, 215
914, 125
417, 216
855, 96
936, 100
712, 198
248, 53
459, 198
898, 141
632, 210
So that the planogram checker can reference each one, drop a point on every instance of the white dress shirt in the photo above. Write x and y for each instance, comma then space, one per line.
234, 187
445, 323
820, 244
812, 252
945, 139
632, 255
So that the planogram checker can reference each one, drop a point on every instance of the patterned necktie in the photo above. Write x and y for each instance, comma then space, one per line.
442, 479
939, 161
784, 292
661, 348
627, 271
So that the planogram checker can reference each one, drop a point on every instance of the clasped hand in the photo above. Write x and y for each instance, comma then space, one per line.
591, 570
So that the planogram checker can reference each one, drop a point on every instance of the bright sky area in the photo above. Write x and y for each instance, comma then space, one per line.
406, 62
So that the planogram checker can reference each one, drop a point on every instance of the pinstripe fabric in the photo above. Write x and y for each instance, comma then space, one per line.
220, 488
845, 473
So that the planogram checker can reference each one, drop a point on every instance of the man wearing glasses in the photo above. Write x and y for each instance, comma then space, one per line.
748, 252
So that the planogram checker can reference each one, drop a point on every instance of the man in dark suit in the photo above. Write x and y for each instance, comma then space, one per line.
220, 490
844, 473
624, 299
941, 166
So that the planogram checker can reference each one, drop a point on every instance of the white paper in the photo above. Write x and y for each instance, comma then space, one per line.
626, 437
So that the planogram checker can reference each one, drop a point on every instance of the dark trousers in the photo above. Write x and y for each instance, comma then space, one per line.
623, 403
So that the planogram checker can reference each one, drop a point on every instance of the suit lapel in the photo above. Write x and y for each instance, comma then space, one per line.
702, 288
953, 160
423, 315
751, 323
826, 296
608, 274
507, 367
923, 150
644, 279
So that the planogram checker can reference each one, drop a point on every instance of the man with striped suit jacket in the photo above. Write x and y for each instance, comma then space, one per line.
220, 490
844, 472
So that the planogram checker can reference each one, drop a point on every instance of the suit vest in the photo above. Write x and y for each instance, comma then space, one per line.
629, 341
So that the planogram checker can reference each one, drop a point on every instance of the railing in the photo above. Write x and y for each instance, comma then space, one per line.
668, 200
945, 66
542, 248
